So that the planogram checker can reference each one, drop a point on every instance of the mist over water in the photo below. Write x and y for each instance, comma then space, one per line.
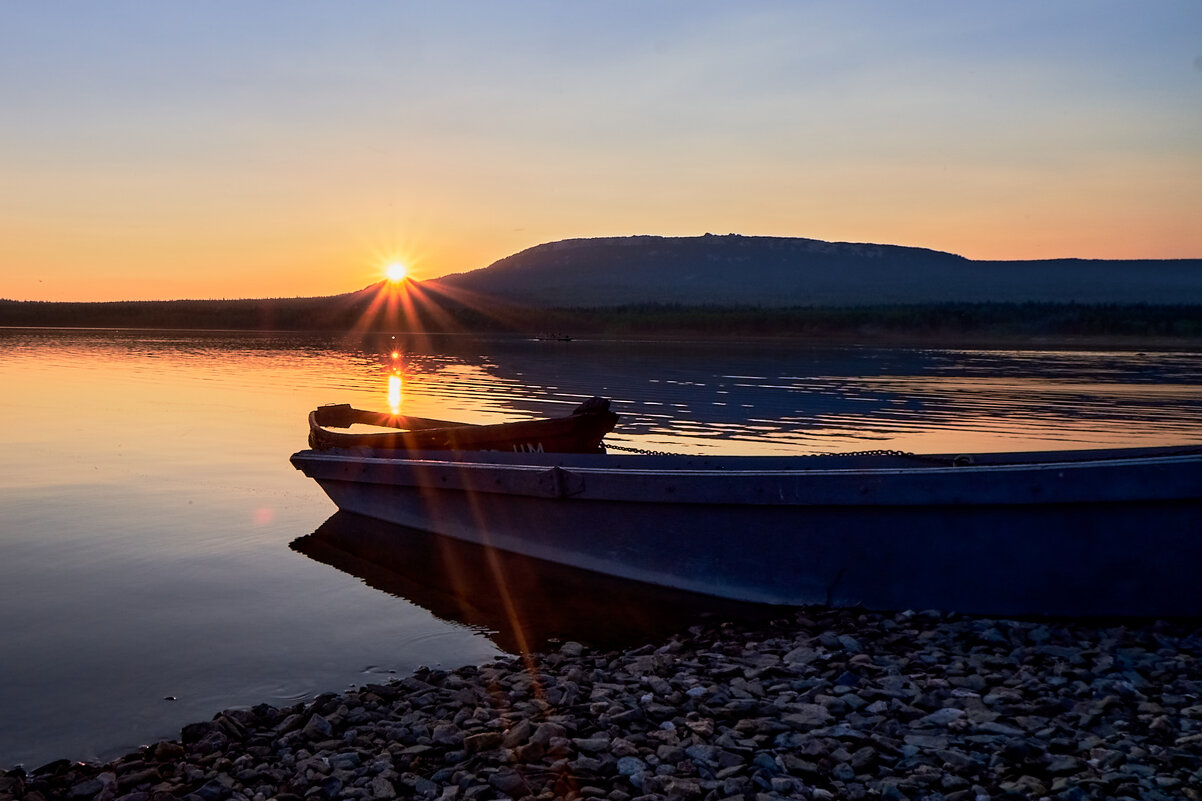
149, 516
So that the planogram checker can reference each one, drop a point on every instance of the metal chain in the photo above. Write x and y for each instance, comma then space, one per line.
881, 452
642, 451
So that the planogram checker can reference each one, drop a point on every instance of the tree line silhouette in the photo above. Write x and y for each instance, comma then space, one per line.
356, 312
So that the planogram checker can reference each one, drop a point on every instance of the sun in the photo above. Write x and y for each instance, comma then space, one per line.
396, 272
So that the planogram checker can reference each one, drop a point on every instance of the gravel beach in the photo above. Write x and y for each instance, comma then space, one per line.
818, 704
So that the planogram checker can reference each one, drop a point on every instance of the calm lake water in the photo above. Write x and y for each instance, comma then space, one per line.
160, 559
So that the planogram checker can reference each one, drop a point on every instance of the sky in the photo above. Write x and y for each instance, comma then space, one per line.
258, 148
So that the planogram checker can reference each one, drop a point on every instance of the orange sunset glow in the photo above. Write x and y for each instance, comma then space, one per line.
1024, 131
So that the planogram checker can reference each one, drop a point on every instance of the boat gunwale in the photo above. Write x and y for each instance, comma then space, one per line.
1175, 479
457, 460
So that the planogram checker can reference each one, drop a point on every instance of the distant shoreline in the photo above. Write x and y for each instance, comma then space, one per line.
878, 339
1016, 325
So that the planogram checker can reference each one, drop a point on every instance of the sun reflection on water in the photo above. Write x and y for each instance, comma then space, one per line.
395, 382
394, 393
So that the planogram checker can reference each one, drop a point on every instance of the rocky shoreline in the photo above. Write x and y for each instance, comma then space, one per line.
820, 704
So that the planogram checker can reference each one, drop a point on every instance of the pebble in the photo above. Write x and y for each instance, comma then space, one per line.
819, 704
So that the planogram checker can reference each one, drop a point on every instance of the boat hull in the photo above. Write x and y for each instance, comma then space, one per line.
1114, 536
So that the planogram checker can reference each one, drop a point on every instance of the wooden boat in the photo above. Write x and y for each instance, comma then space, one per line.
579, 432
1077, 533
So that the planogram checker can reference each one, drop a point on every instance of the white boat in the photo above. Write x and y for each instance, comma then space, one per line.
1083, 533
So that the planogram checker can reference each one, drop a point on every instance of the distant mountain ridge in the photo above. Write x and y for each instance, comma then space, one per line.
785, 271
722, 286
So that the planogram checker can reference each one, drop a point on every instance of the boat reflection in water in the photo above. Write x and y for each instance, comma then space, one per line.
523, 604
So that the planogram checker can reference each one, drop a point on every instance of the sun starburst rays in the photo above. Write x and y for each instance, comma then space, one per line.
418, 307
